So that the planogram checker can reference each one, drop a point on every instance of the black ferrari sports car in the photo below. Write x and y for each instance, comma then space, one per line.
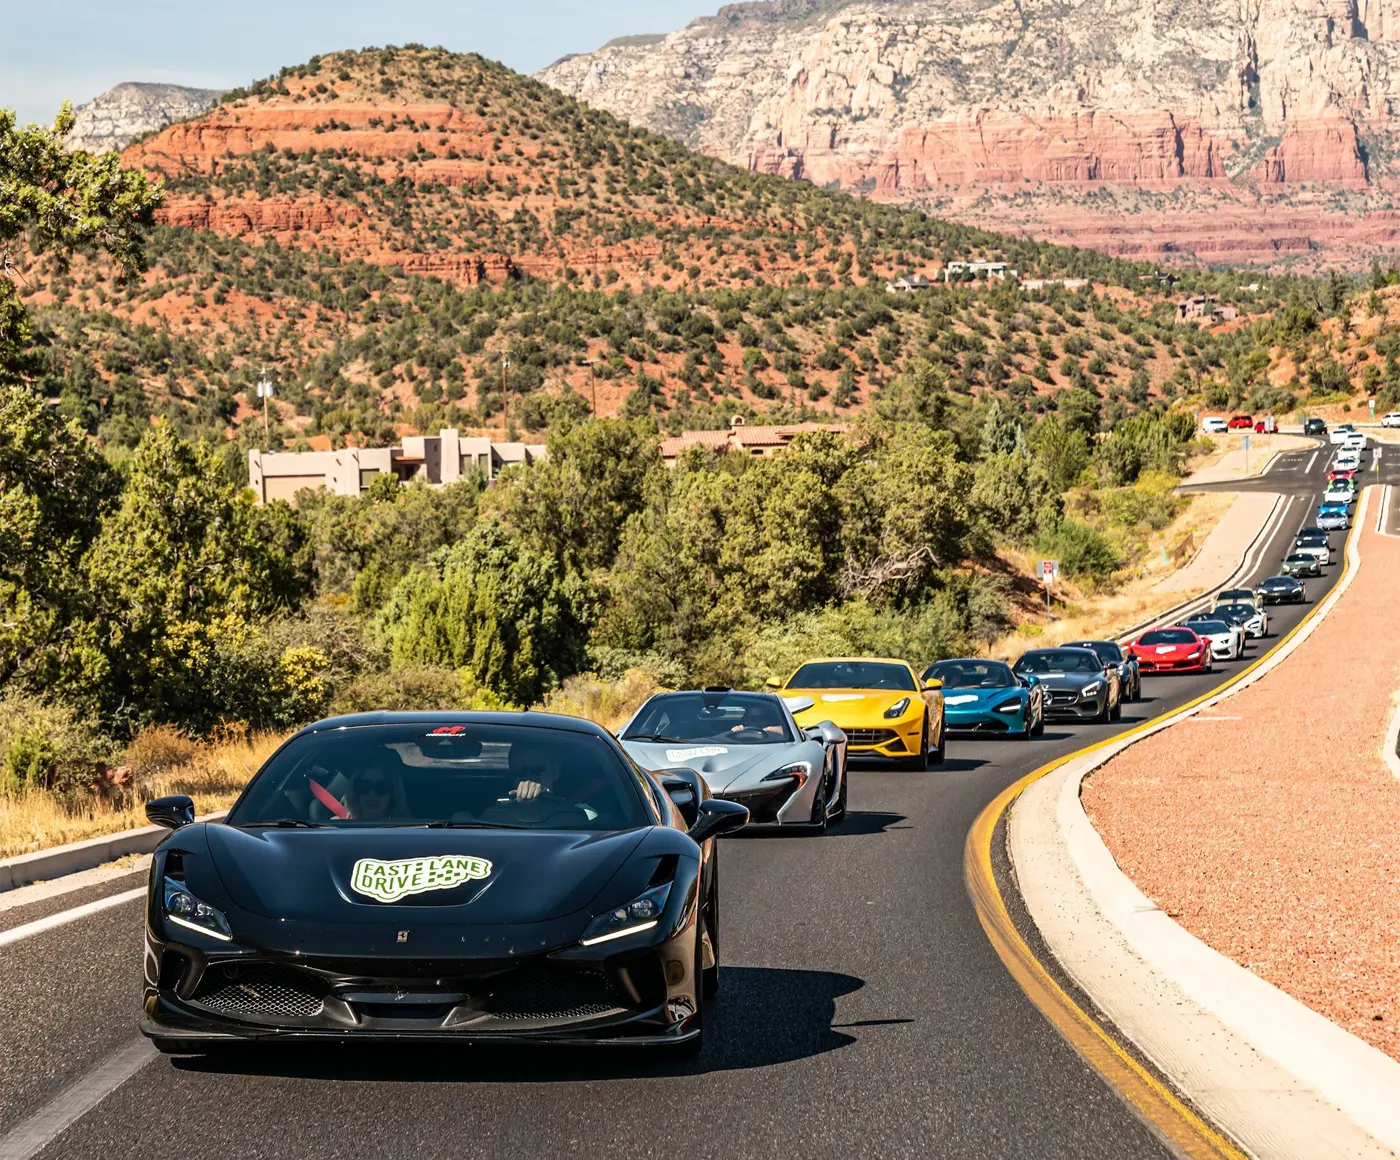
488, 877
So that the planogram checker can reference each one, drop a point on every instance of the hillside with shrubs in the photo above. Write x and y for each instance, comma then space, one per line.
145, 599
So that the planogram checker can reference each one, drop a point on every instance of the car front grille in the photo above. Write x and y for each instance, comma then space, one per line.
260, 989
555, 994
869, 736
1057, 698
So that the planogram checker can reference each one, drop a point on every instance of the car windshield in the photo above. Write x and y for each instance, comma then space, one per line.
1168, 636
1312, 540
972, 674
720, 718
1208, 626
1278, 582
1060, 660
1107, 651
1236, 594
1299, 558
1236, 612
422, 774
853, 675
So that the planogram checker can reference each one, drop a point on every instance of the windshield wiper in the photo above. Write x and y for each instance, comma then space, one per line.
287, 824
661, 737
471, 826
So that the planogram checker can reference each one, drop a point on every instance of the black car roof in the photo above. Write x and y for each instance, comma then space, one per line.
458, 717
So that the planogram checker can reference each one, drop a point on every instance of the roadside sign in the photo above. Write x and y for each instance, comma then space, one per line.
1372, 403
1049, 570
1245, 442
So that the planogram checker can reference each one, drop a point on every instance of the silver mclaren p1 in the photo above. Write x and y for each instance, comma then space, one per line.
749, 749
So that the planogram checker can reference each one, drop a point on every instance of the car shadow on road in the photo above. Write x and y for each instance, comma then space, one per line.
762, 1017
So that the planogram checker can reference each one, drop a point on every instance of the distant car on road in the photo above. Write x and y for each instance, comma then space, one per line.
1315, 544
1226, 639
1314, 427
1111, 653
1301, 564
1391, 419
1235, 596
1332, 517
1338, 492
1266, 426
1241, 422
1283, 590
1341, 473
1214, 425
1077, 684
1254, 621
1339, 434
1171, 650
1355, 442
985, 696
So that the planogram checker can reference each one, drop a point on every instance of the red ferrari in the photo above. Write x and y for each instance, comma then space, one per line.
1340, 473
1171, 650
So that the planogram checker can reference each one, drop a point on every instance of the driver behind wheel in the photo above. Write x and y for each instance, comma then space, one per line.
759, 717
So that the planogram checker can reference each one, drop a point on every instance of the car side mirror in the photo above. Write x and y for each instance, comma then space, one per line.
1030, 680
718, 817
798, 705
685, 789
171, 812
933, 683
827, 732
773, 683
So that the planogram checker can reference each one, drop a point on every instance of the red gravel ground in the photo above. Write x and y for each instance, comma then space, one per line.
1269, 826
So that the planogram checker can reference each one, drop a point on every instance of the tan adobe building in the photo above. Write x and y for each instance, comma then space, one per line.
740, 437
444, 458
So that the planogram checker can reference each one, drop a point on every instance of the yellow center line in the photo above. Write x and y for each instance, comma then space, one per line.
1172, 1120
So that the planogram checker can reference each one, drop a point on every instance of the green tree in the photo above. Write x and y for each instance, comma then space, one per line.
493, 607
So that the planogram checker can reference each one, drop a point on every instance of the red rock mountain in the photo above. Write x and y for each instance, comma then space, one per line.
1261, 130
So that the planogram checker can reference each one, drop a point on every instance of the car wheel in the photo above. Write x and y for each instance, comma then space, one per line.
936, 757
1117, 713
920, 760
1105, 714
692, 1047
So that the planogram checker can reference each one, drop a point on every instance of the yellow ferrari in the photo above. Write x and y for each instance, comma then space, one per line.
881, 705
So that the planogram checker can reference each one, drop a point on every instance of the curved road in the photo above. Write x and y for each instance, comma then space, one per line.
863, 1012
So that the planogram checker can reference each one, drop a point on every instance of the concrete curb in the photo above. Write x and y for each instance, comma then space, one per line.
1283, 1080
43, 865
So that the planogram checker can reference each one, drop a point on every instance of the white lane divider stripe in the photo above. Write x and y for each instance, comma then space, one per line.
64, 917
1311, 461
75, 1101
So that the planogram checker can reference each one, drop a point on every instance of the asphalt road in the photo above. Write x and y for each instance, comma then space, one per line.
863, 1011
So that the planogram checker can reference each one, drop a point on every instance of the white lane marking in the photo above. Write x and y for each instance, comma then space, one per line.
1311, 461
64, 917
82, 880
75, 1101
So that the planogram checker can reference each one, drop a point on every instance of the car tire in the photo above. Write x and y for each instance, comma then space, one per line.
919, 763
1105, 715
691, 1048
936, 757
709, 983
1117, 712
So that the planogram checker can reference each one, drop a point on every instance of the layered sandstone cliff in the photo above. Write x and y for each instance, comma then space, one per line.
128, 111
901, 98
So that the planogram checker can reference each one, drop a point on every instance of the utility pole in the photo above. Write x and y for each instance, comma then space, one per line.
264, 393
505, 398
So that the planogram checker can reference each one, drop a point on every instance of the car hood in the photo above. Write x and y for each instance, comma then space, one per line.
849, 708
517, 876
964, 699
1058, 680
1163, 650
719, 764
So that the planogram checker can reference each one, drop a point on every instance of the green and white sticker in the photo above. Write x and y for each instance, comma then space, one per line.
390, 881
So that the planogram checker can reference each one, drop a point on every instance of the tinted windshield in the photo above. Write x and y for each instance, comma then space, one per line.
852, 675
1237, 611
1107, 651
725, 718
1298, 559
972, 674
514, 776
1168, 636
1278, 582
1209, 626
1060, 660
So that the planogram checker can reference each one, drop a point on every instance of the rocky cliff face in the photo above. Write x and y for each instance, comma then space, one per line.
917, 100
122, 114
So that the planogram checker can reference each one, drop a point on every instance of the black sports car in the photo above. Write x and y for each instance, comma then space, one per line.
1112, 653
1281, 589
460, 876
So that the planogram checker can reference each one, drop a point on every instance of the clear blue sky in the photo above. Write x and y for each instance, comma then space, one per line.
84, 47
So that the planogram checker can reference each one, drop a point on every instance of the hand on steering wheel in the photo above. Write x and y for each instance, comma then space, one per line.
528, 791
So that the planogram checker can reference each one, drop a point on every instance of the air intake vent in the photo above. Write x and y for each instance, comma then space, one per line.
260, 989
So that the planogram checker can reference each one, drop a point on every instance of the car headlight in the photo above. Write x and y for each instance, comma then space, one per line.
185, 910
1011, 706
642, 913
1092, 689
1193, 654
898, 709
801, 770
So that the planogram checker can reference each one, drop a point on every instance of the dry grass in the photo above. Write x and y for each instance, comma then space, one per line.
608, 703
212, 774
1084, 616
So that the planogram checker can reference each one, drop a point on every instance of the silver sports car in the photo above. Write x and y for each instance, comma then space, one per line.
749, 750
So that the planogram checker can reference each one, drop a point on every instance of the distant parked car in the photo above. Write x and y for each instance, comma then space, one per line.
1391, 419
1314, 427
1214, 425
1241, 422
1266, 426
1338, 435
